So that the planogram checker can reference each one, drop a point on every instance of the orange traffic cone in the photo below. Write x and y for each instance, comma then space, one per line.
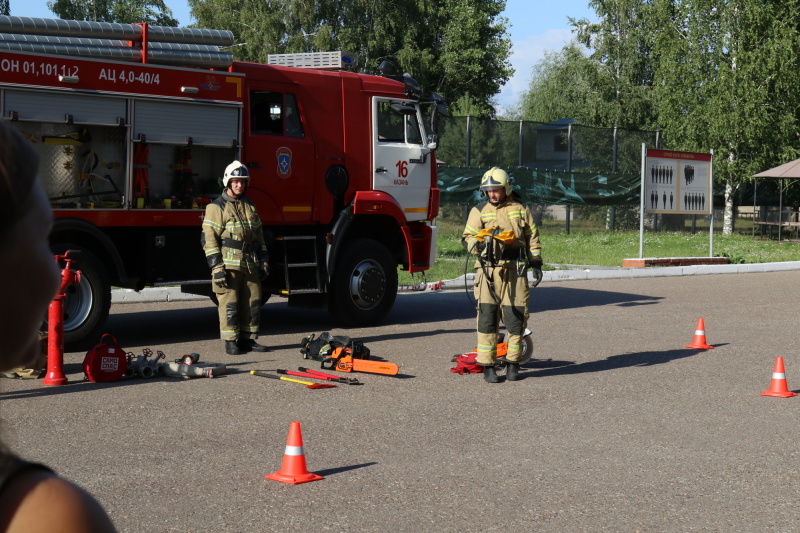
699, 342
778, 386
293, 469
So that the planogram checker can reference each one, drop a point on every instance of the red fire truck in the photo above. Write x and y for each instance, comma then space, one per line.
135, 124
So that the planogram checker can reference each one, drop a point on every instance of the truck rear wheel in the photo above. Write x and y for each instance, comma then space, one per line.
364, 285
87, 303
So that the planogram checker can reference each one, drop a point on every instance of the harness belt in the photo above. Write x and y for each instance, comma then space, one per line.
244, 246
509, 254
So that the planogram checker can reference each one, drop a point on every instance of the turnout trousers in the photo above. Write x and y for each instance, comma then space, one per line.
240, 306
511, 288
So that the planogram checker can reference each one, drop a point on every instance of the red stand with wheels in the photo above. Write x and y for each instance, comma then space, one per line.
55, 324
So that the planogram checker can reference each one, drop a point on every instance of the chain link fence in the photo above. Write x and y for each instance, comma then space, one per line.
571, 175
564, 170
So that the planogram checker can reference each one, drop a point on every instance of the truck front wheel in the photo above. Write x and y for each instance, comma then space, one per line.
364, 284
87, 303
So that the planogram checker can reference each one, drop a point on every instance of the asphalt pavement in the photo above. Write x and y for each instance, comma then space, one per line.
616, 426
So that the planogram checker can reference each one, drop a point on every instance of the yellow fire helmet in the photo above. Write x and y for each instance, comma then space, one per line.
496, 177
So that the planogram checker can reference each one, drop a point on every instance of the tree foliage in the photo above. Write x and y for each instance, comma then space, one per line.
622, 46
457, 48
717, 75
728, 81
125, 11
566, 84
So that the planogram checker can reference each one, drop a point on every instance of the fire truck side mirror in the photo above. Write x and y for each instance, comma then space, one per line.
386, 68
433, 141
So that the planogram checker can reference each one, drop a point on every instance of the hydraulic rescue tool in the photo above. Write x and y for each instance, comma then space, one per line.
308, 384
309, 373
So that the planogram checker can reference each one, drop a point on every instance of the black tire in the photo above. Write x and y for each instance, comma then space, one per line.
87, 303
364, 284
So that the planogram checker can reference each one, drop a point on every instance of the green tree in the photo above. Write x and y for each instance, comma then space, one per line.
566, 84
125, 11
457, 48
622, 47
728, 80
4, 7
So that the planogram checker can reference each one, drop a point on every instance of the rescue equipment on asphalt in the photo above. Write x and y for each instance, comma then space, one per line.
466, 363
189, 359
106, 361
314, 375
194, 370
55, 322
349, 381
143, 366
308, 384
345, 360
342, 353
320, 348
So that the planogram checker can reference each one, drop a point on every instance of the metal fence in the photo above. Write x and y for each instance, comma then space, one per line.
554, 166
551, 163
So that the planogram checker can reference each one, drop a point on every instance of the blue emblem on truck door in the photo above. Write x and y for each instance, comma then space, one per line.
284, 156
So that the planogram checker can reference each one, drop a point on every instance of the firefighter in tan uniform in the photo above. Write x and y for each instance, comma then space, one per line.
233, 242
502, 233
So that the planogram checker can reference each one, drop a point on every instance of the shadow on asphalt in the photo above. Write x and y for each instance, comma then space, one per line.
168, 326
331, 471
553, 298
549, 367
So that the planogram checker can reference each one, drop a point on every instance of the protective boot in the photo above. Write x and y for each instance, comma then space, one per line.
490, 374
512, 371
231, 348
250, 345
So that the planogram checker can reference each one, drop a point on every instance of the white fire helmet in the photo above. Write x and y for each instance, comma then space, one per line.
235, 170
496, 177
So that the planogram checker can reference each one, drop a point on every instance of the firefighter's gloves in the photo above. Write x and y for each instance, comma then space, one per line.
536, 269
264, 269
218, 277
479, 246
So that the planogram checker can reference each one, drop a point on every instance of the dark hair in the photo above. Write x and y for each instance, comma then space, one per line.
19, 167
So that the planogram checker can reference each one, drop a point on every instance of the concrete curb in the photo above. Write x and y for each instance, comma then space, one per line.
174, 294
647, 272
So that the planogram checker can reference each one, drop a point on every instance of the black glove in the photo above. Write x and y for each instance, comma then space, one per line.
536, 269
480, 246
264, 267
219, 278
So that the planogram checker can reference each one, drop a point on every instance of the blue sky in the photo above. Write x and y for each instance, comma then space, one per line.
536, 26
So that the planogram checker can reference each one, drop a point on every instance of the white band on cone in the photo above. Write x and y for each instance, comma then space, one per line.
293, 450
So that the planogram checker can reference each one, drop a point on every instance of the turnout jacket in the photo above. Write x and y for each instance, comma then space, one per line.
508, 215
232, 234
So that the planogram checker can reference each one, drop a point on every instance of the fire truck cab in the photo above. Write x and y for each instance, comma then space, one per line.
135, 129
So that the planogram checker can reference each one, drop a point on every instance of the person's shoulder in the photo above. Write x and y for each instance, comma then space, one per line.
216, 205
69, 507
481, 206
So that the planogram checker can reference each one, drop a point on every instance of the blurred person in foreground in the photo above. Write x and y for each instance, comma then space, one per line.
33, 498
